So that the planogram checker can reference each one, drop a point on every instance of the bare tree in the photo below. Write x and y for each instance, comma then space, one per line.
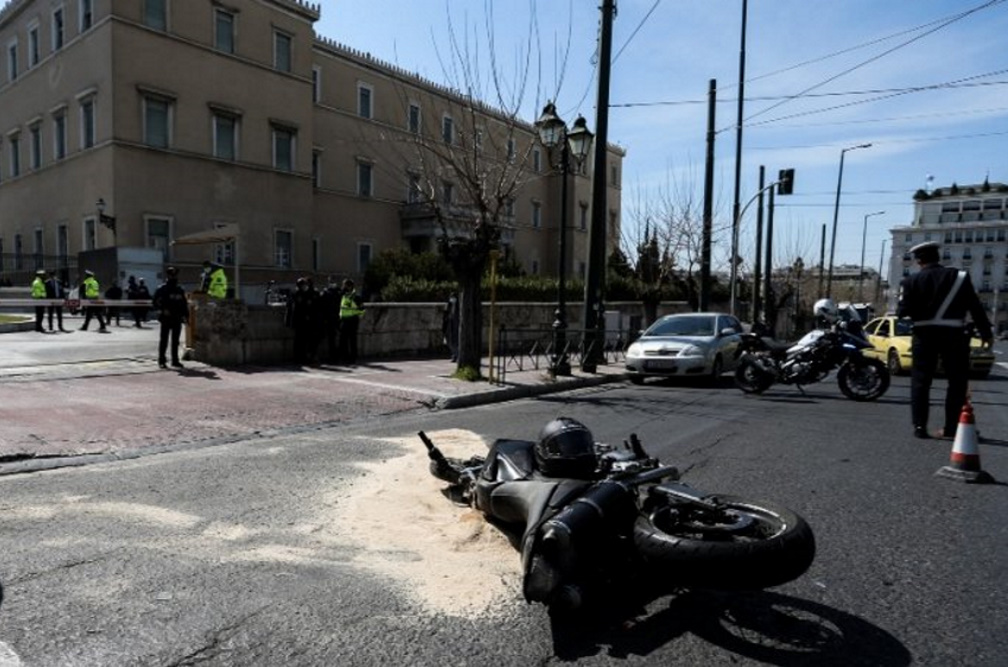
466, 157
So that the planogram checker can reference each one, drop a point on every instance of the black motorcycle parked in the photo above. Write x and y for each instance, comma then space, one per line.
590, 515
763, 362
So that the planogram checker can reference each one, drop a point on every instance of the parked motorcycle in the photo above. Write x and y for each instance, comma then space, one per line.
762, 362
590, 515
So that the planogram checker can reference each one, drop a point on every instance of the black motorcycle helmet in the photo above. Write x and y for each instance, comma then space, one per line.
566, 448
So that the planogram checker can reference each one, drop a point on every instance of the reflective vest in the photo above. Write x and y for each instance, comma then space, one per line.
218, 284
91, 288
38, 288
349, 308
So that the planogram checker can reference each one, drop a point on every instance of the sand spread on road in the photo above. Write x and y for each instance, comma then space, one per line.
445, 556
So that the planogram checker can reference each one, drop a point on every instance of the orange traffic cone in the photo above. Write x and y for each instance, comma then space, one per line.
964, 464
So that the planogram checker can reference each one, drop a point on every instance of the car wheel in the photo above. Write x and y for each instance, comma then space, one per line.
893, 362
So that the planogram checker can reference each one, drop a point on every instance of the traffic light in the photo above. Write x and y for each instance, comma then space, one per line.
785, 181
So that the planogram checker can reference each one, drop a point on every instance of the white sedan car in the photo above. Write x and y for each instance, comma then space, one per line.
685, 344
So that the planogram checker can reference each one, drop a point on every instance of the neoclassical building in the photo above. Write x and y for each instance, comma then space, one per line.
184, 117
971, 224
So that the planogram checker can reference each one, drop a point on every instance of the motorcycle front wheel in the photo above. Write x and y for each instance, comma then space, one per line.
751, 377
744, 545
863, 380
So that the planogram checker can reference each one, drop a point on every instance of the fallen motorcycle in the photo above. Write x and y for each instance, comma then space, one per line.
588, 514
763, 362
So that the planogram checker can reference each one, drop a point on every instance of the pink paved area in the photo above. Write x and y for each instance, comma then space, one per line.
108, 407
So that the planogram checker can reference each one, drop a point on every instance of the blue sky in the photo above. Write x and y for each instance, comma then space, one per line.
828, 54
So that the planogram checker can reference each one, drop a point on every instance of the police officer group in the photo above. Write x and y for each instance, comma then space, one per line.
334, 313
169, 302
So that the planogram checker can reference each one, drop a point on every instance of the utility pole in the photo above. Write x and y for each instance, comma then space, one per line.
759, 249
733, 282
822, 259
768, 292
594, 308
708, 205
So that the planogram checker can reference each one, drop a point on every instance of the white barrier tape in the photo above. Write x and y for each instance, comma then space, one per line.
104, 303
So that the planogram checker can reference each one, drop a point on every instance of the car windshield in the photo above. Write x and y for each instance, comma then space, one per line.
683, 325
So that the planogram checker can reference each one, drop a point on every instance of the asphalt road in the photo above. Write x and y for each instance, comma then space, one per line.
242, 554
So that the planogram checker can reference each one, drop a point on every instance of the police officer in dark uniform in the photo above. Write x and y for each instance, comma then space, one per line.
937, 299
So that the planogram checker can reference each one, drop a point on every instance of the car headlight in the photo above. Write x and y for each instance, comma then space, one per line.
691, 351
634, 350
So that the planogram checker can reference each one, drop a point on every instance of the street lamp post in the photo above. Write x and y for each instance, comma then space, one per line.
836, 213
107, 220
574, 144
864, 234
878, 284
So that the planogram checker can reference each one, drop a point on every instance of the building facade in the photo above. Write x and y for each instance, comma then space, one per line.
185, 117
971, 224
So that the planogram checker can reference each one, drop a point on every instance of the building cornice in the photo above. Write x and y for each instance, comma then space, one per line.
11, 9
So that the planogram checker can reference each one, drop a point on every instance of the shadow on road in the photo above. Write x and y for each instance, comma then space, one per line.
765, 626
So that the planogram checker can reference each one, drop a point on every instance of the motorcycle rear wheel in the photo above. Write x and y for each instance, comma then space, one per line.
750, 378
865, 380
748, 545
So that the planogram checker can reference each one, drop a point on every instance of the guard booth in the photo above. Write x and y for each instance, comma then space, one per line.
199, 302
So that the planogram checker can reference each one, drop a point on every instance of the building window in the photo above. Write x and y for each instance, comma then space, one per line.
156, 14
316, 254
478, 139
38, 247
316, 169
413, 121
413, 191
281, 51
157, 122
15, 154
509, 208
12, 60
364, 100
582, 270
613, 176
583, 217
447, 193
33, 45
86, 14
448, 130
57, 29
158, 235
284, 145
224, 31
365, 175
62, 244
90, 241
35, 147
18, 253
87, 123
511, 151
224, 252
908, 238
316, 80
536, 215
283, 243
225, 137
364, 251
59, 135
536, 160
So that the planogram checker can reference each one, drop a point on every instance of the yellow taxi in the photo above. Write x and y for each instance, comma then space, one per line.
890, 337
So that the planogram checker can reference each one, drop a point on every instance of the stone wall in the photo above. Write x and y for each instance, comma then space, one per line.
231, 332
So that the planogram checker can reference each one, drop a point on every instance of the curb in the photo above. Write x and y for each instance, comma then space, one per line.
14, 327
523, 391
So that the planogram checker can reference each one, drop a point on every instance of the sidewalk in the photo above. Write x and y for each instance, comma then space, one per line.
69, 410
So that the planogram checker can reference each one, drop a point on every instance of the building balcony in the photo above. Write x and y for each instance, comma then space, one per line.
419, 220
